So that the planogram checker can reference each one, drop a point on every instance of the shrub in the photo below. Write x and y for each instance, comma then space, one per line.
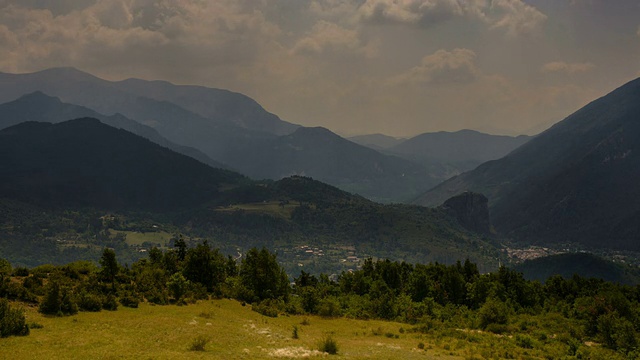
328, 345
329, 307
199, 343
35, 325
110, 303
524, 341
305, 322
493, 311
12, 321
57, 300
89, 302
268, 307
421, 345
295, 335
130, 300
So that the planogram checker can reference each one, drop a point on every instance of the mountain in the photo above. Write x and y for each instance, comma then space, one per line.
70, 183
325, 156
464, 146
232, 129
84, 163
445, 154
376, 141
575, 182
107, 97
40, 107
584, 264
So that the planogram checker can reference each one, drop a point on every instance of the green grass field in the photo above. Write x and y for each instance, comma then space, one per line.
233, 331
138, 238
271, 207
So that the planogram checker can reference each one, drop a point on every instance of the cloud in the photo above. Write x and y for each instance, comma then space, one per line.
516, 17
513, 16
567, 68
443, 67
326, 36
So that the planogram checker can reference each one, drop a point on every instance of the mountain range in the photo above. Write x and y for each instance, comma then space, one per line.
88, 168
445, 154
231, 129
574, 183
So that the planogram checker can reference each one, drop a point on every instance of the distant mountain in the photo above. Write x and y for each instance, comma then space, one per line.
84, 163
583, 264
575, 182
464, 146
107, 97
40, 107
58, 180
445, 154
325, 156
234, 130
376, 141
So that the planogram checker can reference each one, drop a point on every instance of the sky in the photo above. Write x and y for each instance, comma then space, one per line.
397, 67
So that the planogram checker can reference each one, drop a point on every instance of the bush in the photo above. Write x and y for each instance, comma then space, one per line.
524, 341
89, 302
269, 307
110, 303
328, 345
493, 311
58, 300
421, 345
295, 335
129, 300
199, 343
12, 321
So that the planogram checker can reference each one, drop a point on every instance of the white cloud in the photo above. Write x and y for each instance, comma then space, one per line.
326, 36
568, 68
443, 67
516, 17
513, 16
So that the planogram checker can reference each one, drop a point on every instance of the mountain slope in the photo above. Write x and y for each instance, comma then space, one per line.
576, 182
86, 163
325, 156
232, 129
376, 141
583, 264
459, 146
107, 97
40, 107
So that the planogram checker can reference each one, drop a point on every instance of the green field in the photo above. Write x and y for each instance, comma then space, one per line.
234, 331
138, 238
273, 208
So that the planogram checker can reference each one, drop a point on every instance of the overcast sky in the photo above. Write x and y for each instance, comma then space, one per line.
398, 67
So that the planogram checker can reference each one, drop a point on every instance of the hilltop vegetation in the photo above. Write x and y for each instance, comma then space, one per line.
454, 309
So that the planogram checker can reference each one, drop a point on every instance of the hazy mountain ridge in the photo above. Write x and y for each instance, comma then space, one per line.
40, 107
86, 163
573, 183
220, 136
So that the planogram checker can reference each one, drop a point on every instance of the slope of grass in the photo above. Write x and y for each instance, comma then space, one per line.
234, 332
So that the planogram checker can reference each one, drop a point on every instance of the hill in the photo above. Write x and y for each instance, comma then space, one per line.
575, 182
84, 163
327, 157
376, 141
232, 129
584, 264
464, 149
40, 107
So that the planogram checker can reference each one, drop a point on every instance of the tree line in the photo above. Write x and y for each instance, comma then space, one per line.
425, 295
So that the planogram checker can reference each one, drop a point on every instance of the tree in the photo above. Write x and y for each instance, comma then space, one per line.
205, 266
262, 276
109, 266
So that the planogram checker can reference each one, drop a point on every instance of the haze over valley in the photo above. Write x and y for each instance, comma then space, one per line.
366, 178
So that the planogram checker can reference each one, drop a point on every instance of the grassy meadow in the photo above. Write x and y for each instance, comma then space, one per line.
233, 331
